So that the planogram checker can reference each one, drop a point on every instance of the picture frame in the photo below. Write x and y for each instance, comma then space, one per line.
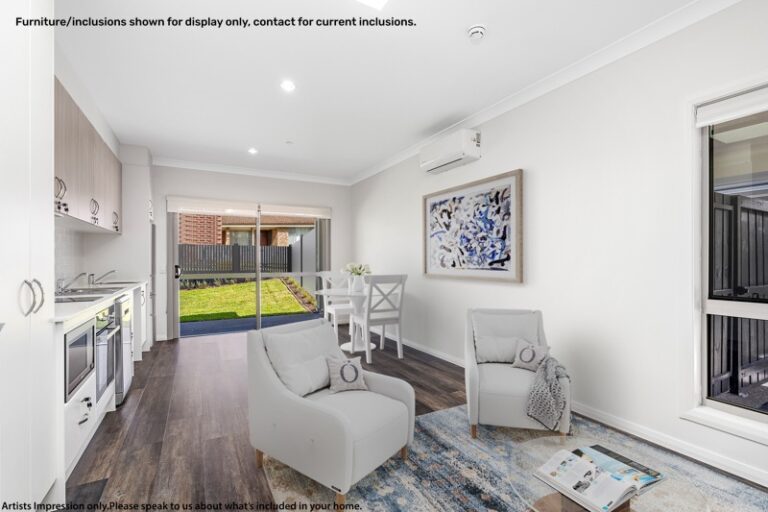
475, 230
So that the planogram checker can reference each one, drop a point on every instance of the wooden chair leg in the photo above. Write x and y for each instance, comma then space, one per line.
259, 458
399, 341
404, 452
473, 431
341, 499
383, 337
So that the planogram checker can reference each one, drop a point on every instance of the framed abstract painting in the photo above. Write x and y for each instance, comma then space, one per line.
475, 230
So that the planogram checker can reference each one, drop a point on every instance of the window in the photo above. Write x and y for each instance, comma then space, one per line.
739, 209
738, 366
240, 238
737, 259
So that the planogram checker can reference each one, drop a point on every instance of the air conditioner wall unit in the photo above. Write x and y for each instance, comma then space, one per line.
458, 148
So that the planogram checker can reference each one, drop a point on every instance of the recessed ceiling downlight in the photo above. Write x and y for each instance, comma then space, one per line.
476, 32
288, 85
253, 151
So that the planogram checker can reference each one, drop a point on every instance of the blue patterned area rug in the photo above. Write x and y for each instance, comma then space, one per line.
448, 470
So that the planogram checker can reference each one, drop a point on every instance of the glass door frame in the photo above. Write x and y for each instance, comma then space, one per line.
322, 257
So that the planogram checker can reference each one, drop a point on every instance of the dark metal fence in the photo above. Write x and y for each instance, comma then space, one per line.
232, 259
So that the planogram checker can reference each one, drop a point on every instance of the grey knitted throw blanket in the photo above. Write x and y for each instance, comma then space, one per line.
546, 401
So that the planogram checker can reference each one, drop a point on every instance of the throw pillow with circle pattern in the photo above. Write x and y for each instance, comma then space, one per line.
529, 356
346, 375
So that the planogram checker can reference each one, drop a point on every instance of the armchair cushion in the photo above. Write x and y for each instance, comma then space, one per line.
529, 356
379, 425
299, 358
497, 349
504, 379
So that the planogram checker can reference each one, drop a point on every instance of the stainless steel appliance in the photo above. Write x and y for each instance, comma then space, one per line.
123, 348
78, 356
107, 328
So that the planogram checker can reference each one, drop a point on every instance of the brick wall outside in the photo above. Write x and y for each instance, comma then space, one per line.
280, 237
200, 229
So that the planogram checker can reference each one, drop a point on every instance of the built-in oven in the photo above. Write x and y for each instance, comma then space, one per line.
78, 356
107, 329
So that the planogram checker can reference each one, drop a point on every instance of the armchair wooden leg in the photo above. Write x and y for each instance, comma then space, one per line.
404, 452
259, 458
341, 499
473, 431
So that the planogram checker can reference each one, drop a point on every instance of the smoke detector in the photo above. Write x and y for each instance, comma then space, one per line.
476, 33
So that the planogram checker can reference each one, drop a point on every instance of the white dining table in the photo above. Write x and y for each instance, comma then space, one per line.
357, 299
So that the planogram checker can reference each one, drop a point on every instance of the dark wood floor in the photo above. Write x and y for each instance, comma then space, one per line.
182, 434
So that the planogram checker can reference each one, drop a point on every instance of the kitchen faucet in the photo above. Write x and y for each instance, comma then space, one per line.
92, 281
61, 287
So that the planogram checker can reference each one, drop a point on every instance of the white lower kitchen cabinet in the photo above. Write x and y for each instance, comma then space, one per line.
28, 385
140, 321
80, 416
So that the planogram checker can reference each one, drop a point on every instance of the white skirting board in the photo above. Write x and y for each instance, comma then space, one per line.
458, 361
693, 451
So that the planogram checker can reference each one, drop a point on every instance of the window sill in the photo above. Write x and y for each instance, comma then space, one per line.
730, 423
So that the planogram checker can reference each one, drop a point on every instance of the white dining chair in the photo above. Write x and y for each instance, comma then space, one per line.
383, 306
335, 307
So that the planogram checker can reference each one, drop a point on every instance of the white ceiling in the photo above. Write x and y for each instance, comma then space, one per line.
207, 95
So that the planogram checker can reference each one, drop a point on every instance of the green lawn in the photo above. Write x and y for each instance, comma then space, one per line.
237, 301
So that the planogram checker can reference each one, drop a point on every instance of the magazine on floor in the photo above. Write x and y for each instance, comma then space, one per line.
597, 478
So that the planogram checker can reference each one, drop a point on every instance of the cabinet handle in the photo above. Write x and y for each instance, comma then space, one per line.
63, 188
98, 207
85, 418
34, 298
115, 218
42, 295
57, 187
143, 298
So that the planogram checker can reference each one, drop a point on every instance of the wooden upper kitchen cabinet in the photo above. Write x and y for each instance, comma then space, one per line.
68, 184
88, 183
116, 196
108, 175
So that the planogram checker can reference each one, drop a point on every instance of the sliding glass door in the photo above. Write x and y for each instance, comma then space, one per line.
217, 258
240, 270
290, 261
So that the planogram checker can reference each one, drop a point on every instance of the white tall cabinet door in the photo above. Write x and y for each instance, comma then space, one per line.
42, 388
14, 263
25, 160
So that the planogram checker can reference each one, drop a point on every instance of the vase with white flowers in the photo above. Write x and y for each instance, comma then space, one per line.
356, 272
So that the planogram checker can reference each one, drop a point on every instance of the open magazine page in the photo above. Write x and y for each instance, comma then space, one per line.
619, 467
579, 476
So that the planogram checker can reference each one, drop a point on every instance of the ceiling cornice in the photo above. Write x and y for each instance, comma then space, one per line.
261, 173
663, 27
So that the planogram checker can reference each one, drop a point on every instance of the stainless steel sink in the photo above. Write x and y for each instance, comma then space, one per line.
60, 300
87, 291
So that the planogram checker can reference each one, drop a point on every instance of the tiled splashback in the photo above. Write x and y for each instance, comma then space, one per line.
70, 253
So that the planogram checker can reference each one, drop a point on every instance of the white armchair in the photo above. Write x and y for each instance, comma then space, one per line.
497, 393
335, 439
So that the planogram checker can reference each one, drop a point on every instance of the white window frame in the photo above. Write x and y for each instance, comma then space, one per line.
694, 404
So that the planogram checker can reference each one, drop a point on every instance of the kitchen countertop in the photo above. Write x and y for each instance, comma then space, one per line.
66, 311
